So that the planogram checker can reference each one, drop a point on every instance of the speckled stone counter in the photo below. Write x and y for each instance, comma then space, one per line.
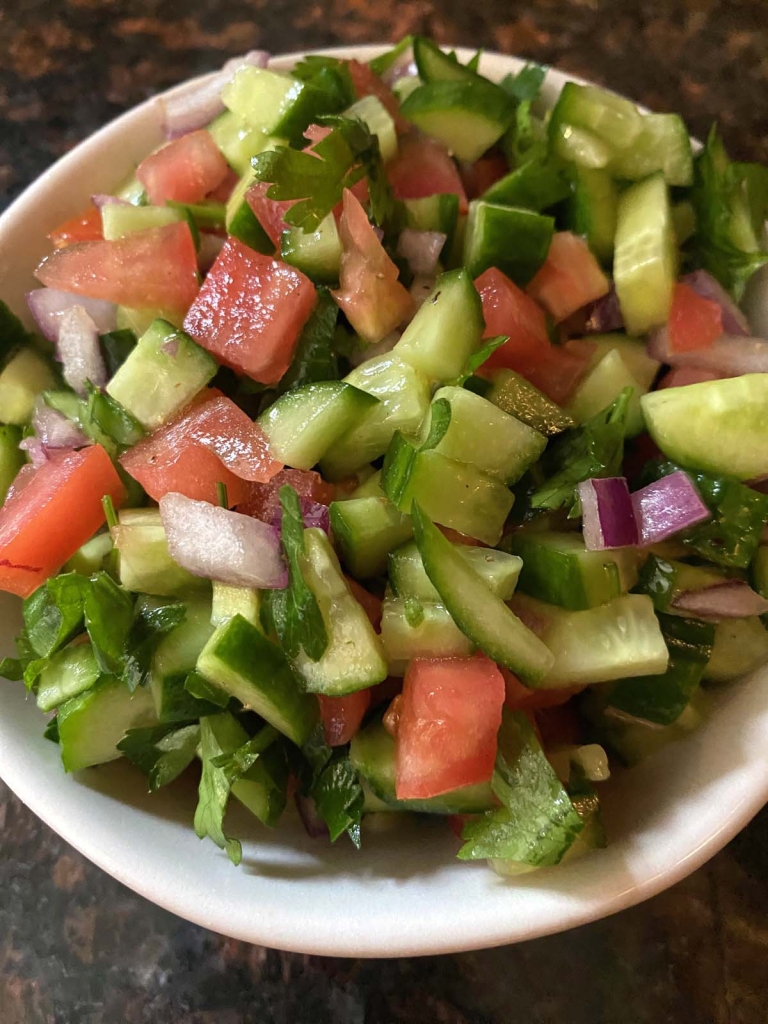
78, 948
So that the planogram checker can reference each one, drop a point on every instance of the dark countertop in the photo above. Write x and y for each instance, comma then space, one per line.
78, 948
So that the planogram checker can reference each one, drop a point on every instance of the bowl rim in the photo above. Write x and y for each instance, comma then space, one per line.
286, 932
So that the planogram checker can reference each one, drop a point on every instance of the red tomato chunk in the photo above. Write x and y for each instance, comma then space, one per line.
263, 499
184, 171
342, 716
423, 167
570, 277
508, 310
58, 510
250, 312
694, 322
449, 717
85, 227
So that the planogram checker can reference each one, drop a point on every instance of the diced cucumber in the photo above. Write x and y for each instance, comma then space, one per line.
480, 614
93, 723
452, 493
408, 577
403, 393
237, 142
594, 208
430, 634
229, 601
370, 484
683, 221
317, 253
146, 565
378, 120
436, 66
165, 370
446, 330
557, 568
439, 212
741, 645
68, 673
89, 558
11, 457
354, 658
175, 657
372, 753
662, 145
718, 426
532, 186
645, 258
759, 571
306, 422
117, 220
241, 222
482, 435
613, 119
610, 641
490, 227
240, 660
23, 379
603, 384
403, 87
132, 191
273, 103
516, 396
139, 321
665, 579
578, 146
366, 530
468, 116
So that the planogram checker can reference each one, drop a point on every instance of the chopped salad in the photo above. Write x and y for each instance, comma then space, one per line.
392, 443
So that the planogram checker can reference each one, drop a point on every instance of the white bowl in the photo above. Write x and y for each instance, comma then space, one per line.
405, 893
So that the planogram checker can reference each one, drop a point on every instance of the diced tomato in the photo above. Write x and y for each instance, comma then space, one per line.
223, 191
479, 176
449, 718
341, 716
263, 500
270, 213
391, 719
250, 311
681, 376
558, 374
459, 538
521, 698
184, 171
154, 269
59, 509
369, 292
370, 603
366, 83
569, 278
85, 227
508, 310
211, 441
694, 322
423, 167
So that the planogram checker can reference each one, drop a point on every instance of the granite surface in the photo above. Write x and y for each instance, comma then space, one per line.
78, 948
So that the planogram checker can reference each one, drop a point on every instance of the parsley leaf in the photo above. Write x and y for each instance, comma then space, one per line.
11, 668
315, 358
103, 417
537, 823
526, 84
13, 335
595, 449
331, 78
152, 619
213, 794
108, 610
339, 798
477, 359
53, 614
440, 420
235, 764
295, 612
162, 752
116, 346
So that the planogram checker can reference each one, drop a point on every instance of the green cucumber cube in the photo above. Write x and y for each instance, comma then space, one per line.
93, 723
175, 658
117, 221
366, 529
467, 116
490, 227
436, 635
378, 120
23, 379
11, 457
145, 562
241, 222
513, 394
316, 253
408, 577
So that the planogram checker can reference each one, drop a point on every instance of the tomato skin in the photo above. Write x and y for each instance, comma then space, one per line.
223, 190
569, 278
369, 292
154, 269
694, 322
184, 171
182, 455
262, 500
371, 605
423, 167
367, 83
558, 374
250, 311
449, 717
479, 176
521, 698
508, 310
680, 376
85, 227
59, 509
270, 213
341, 716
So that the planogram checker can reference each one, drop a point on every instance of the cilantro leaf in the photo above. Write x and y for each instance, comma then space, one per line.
526, 84
315, 358
595, 449
13, 335
53, 614
152, 619
440, 420
102, 417
108, 611
213, 794
339, 798
116, 346
330, 78
162, 752
537, 823
295, 612
477, 359
11, 669
235, 764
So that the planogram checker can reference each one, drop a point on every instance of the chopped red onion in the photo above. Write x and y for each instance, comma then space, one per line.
604, 315
666, 507
421, 249
734, 321
197, 107
48, 304
606, 509
315, 515
54, 430
313, 824
79, 351
218, 544
730, 355
684, 375
35, 449
732, 599
101, 199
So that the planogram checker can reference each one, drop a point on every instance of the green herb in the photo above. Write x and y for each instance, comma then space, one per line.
51, 731
339, 798
13, 335
537, 823
473, 63
526, 84
213, 794
315, 358
329, 79
162, 752
199, 687
595, 449
477, 359
109, 511
116, 346
152, 619
237, 763
440, 411
526, 139
381, 64
103, 418
414, 612
11, 668
657, 579
295, 612
108, 610
53, 615
753, 183
221, 494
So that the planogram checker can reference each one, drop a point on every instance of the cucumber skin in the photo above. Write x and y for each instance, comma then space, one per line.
486, 243
366, 556
92, 715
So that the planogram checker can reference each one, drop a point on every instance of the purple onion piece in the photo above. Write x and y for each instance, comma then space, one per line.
48, 304
54, 430
421, 249
101, 199
79, 350
35, 449
313, 824
666, 507
315, 515
732, 599
606, 509
218, 544
734, 321
604, 315
730, 355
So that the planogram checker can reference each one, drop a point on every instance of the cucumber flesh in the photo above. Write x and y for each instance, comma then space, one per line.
490, 226
480, 615
593, 210
175, 657
264, 100
468, 117
69, 672
25, 376
378, 120
145, 562
662, 145
90, 558
238, 142
229, 601
240, 220
408, 577
93, 723
434, 635
117, 221
741, 645
611, 118
439, 212
366, 529
578, 146
317, 253
516, 396
436, 66
602, 385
